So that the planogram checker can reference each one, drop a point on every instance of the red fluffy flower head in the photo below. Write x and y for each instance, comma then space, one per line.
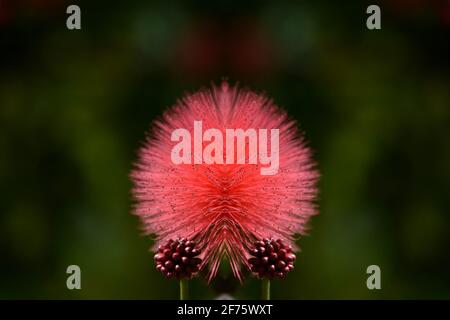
225, 168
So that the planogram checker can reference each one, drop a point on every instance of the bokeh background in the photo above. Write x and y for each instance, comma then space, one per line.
74, 106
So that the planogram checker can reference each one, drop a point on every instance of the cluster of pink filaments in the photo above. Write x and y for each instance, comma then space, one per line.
225, 208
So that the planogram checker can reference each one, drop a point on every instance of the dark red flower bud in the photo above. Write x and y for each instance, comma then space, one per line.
177, 259
271, 259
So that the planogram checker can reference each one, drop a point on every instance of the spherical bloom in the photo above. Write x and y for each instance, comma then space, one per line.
225, 206
271, 259
178, 259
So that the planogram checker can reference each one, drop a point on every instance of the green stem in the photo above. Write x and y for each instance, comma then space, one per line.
184, 294
265, 289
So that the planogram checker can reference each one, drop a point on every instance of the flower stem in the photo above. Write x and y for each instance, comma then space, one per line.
265, 289
184, 294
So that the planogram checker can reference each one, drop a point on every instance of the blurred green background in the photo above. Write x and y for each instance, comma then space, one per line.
74, 107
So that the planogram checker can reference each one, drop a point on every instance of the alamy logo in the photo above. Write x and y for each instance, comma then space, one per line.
74, 280
241, 147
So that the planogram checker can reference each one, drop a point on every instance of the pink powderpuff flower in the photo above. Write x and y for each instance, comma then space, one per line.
224, 208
